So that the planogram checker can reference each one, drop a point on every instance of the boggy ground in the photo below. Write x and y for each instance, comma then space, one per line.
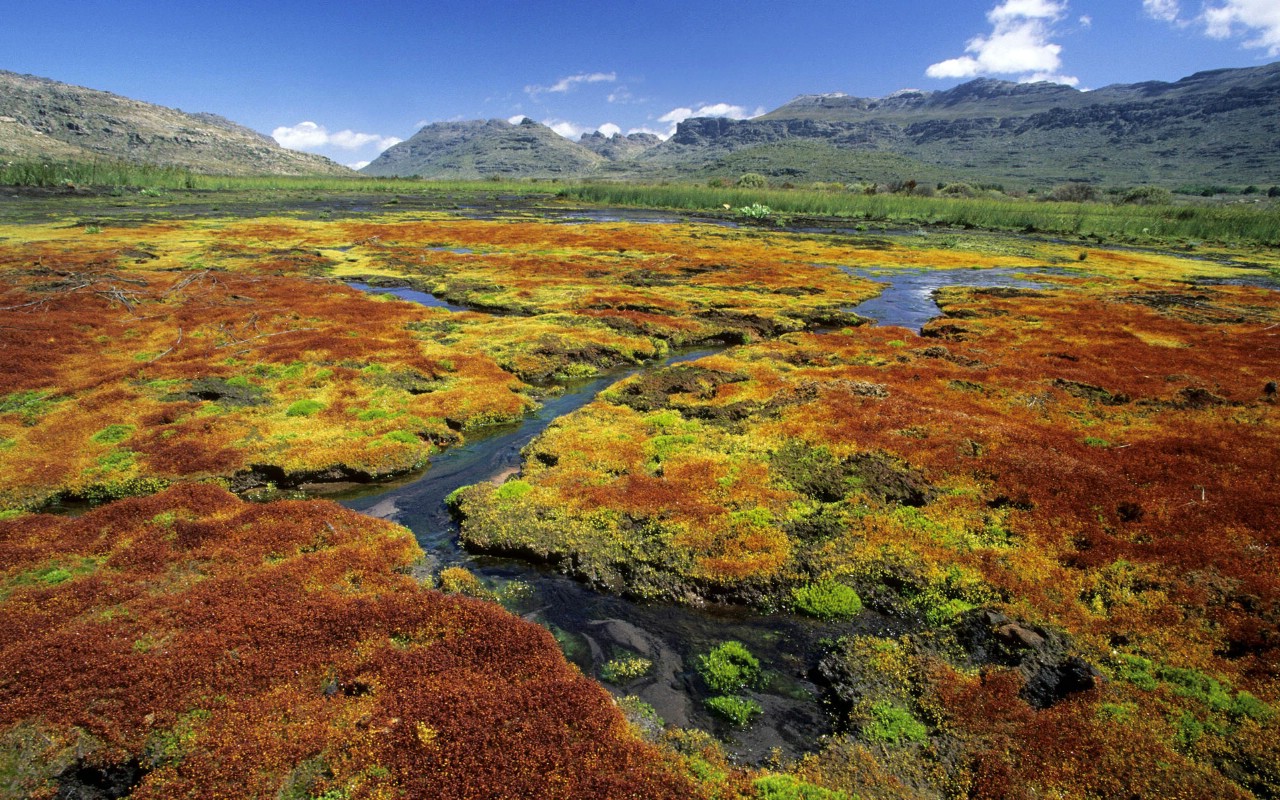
165, 351
1071, 488
189, 644
1068, 489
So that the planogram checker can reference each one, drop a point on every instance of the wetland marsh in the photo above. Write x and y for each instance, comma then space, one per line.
1025, 547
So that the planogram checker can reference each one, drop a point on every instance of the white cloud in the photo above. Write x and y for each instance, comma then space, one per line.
1228, 19
569, 130
677, 115
563, 85
516, 120
310, 136
1019, 45
1257, 18
620, 95
359, 165
573, 131
1167, 10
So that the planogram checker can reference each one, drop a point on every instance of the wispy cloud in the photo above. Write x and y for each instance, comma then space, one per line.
1167, 10
1258, 20
569, 82
1018, 46
311, 136
359, 165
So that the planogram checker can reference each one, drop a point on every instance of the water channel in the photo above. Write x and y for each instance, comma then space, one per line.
594, 627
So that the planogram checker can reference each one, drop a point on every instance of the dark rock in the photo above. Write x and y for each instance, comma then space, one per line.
82, 781
1094, 394
1052, 672
220, 390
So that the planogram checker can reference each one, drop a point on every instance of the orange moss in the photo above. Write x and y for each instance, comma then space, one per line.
227, 645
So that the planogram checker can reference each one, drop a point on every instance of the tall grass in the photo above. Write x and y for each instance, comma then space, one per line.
1225, 224
117, 174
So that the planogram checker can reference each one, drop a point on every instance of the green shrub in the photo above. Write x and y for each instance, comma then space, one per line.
729, 667
1147, 196
894, 725
827, 600
739, 711
303, 408
752, 180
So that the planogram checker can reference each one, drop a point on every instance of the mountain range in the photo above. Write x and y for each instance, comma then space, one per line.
1215, 128
45, 119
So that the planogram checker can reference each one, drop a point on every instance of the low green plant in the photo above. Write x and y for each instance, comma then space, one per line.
625, 668
29, 405
827, 600
303, 408
755, 211
513, 490
112, 434
739, 711
786, 787
729, 667
893, 724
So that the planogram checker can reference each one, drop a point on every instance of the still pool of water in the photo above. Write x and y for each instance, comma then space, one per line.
907, 300
405, 293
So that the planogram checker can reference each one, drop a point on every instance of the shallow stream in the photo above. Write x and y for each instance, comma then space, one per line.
594, 628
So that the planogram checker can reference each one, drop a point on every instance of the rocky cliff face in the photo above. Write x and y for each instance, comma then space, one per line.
1212, 127
41, 118
618, 147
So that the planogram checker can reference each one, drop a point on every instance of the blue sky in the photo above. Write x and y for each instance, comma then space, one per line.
349, 79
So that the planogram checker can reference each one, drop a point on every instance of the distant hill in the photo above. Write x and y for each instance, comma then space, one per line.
484, 148
45, 119
1212, 128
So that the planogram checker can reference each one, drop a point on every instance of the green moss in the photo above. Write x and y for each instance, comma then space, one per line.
827, 600
1246, 705
739, 711
112, 434
512, 490
30, 406
729, 667
786, 787
116, 460
625, 668
893, 725
1136, 670
304, 408
1197, 686
403, 437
